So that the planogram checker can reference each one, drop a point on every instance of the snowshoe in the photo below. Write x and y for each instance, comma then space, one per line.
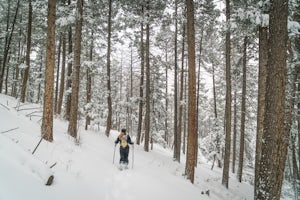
123, 166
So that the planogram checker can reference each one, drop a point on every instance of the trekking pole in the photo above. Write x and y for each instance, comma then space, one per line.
132, 155
114, 154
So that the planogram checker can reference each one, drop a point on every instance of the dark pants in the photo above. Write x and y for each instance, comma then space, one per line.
124, 155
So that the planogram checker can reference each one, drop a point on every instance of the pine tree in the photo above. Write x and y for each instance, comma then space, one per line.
69, 71
47, 123
57, 74
147, 59
28, 52
141, 91
263, 58
8, 40
89, 82
242, 138
72, 129
225, 178
109, 99
62, 75
273, 154
180, 121
177, 135
191, 148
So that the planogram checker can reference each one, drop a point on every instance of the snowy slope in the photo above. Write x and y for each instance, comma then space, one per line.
86, 171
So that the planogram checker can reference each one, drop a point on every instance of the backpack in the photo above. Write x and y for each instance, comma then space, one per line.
124, 141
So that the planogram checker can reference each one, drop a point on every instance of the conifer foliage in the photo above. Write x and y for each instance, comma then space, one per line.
185, 75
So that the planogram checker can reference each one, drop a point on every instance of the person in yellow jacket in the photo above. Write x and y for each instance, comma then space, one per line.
124, 139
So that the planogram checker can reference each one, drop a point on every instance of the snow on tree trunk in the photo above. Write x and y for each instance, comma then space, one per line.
72, 129
273, 140
225, 178
147, 115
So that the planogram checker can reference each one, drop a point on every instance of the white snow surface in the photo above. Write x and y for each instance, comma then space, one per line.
86, 170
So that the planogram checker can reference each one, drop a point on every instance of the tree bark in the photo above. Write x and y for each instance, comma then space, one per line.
109, 101
72, 129
262, 77
6, 38
288, 125
177, 137
89, 83
198, 97
296, 17
17, 72
7, 47
234, 133
185, 116
140, 120
57, 75
166, 97
147, 115
225, 178
47, 123
216, 117
298, 127
191, 147
69, 72
7, 73
27, 59
243, 115
181, 86
39, 87
273, 154
62, 75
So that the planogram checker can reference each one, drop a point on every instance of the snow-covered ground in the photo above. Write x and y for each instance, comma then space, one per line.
86, 170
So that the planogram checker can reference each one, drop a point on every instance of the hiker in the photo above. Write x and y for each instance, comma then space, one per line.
124, 140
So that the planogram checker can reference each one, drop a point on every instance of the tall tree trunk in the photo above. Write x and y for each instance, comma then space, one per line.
198, 97
262, 77
109, 103
27, 59
181, 87
130, 94
191, 148
243, 117
147, 115
177, 137
7, 46
298, 124
17, 73
7, 73
185, 115
288, 124
225, 178
273, 154
69, 72
72, 129
6, 37
140, 120
121, 89
234, 133
47, 123
89, 83
167, 99
216, 118
62, 75
298, 128
39, 77
57, 75
296, 17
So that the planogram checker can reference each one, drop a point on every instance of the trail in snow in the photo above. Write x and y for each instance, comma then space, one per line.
86, 171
